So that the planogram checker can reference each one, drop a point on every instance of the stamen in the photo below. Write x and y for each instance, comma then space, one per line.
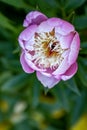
52, 33
48, 51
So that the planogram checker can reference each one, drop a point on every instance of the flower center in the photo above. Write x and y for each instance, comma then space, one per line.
48, 51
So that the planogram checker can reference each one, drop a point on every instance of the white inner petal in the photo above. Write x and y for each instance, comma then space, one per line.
48, 51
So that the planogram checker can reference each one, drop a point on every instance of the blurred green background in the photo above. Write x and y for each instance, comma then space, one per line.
23, 102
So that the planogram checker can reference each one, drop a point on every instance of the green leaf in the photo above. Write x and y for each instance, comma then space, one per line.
46, 90
86, 9
72, 85
15, 83
35, 93
47, 5
80, 22
6, 23
71, 16
73, 4
52, 128
7, 46
83, 48
82, 74
23, 125
77, 109
61, 94
20, 4
4, 77
15, 3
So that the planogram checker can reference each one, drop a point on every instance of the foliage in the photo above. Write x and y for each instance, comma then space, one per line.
24, 104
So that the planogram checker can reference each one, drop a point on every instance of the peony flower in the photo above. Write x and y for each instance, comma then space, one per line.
50, 46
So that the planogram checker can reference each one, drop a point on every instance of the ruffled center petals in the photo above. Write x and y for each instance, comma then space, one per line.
31, 64
48, 52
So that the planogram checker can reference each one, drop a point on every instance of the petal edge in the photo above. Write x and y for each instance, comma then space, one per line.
47, 81
70, 72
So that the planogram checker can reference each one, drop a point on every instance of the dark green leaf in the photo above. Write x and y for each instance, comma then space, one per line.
80, 22
15, 83
77, 109
15, 3
61, 94
35, 93
73, 4
72, 85
6, 23
4, 77
82, 73
83, 48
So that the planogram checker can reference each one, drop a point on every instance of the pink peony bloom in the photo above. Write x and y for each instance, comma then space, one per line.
50, 46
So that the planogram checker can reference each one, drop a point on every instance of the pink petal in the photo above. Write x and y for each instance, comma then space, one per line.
55, 22
25, 66
65, 54
31, 64
47, 81
62, 67
29, 44
26, 35
49, 24
44, 27
34, 17
61, 26
70, 72
71, 56
74, 49
46, 74
65, 41
65, 28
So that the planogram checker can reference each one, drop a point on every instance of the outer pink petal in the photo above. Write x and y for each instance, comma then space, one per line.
55, 22
65, 28
65, 41
74, 49
34, 17
70, 72
29, 44
61, 26
47, 81
25, 66
49, 24
26, 35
